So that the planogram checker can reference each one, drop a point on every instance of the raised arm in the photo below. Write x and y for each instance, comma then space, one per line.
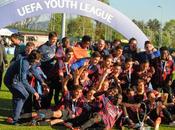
78, 73
102, 79
65, 81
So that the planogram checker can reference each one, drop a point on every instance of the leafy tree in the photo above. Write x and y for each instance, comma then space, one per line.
140, 24
151, 30
80, 26
55, 22
169, 28
167, 40
101, 30
154, 25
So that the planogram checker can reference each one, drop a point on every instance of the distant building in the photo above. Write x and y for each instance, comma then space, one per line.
37, 37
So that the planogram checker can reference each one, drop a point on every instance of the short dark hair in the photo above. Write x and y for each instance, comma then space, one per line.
69, 50
132, 39
128, 60
96, 54
119, 47
52, 34
147, 42
144, 61
148, 93
107, 57
92, 88
129, 89
34, 55
86, 38
117, 40
77, 87
164, 48
117, 64
64, 39
16, 36
140, 80
30, 44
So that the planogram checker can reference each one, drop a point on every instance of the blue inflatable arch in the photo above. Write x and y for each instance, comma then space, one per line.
17, 10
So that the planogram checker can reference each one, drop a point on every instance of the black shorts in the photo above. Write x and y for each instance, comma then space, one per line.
153, 115
171, 109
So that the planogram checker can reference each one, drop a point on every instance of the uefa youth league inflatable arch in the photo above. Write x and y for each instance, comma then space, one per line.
17, 10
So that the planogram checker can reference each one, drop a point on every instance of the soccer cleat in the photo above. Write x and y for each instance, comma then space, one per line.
33, 122
11, 121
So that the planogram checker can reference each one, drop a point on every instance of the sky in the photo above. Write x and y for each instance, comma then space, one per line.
139, 9
146, 9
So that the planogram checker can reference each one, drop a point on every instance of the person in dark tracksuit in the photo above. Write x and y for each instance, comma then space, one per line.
19, 45
27, 108
3, 60
16, 81
30, 46
48, 51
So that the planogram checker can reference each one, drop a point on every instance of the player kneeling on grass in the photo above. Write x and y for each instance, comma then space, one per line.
157, 112
16, 81
70, 107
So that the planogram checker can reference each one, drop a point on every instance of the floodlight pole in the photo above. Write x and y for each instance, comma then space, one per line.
161, 23
63, 28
